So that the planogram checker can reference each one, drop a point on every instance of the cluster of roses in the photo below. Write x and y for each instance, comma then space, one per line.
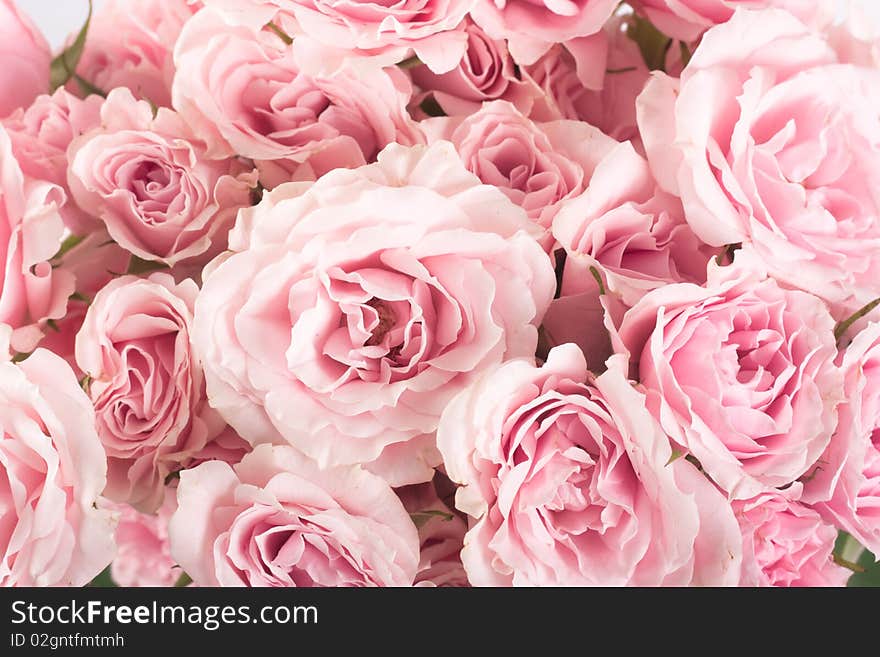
440, 292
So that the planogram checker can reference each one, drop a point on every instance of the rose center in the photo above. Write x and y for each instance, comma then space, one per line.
386, 322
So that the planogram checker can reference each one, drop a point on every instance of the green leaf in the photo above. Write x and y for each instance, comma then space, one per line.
139, 266
422, 518
410, 62
185, 580
676, 454
64, 65
104, 580
653, 44
870, 577
70, 243
431, 107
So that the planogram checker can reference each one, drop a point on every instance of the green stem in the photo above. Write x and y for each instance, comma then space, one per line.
843, 327
281, 33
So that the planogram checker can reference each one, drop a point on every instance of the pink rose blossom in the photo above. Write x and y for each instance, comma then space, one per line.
40, 137
327, 33
845, 485
149, 181
687, 19
625, 226
781, 159
570, 481
145, 383
786, 543
31, 232
24, 59
539, 166
350, 311
441, 533
143, 554
277, 519
130, 44
52, 470
486, 72
532, 27
245, 94
741, 374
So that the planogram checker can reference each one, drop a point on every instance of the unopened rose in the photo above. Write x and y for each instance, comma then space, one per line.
146, 384
24, 59
149, 181
130, 44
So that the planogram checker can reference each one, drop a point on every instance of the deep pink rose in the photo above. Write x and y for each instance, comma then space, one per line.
52, 470
441, 532
781, 159
149, 180
245, 94
485, 72
145, 383
570, 481
687, 19
24, 59
143, 551
350, 311
845, 485
786, 543
532, 27
130, 44
741, 374
539, 166
40, 137
277, 519
632, 232
31, 232
327, 33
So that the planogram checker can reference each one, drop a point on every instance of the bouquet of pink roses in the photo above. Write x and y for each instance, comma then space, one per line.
441, 293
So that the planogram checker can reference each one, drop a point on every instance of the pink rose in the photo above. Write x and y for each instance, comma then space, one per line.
782, 159
326, 33
52, 470
24, 59
441, 533
149, 181
687, 19
145, 383
570, 482
629, 230
31, 231
277, 519
539, 166
741, 374
343, 320
485, 72
130, 44
845, 485
287, 118
143, 554
531, 27
40, 137
786, 544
